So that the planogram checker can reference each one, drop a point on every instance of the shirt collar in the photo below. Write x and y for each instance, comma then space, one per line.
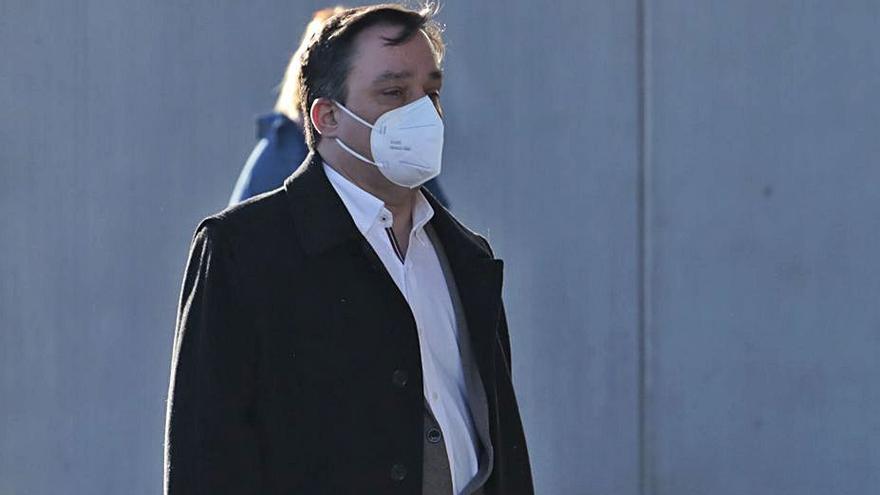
422, 214
367, 210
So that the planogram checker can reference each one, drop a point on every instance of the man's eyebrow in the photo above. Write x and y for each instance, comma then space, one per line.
392, 76
388, 75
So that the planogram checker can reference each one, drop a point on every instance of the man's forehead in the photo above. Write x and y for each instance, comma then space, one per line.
380, 60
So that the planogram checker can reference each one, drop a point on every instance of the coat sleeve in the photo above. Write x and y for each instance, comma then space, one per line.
210, 441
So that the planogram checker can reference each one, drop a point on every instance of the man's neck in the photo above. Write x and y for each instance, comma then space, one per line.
399, 200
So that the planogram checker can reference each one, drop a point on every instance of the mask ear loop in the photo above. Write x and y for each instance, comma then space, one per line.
345, 146
355, 117
355, 153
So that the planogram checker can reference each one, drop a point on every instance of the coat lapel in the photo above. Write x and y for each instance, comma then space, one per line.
478, 276
320, 217
322, 222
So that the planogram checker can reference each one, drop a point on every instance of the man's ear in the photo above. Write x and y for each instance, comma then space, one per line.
323, 115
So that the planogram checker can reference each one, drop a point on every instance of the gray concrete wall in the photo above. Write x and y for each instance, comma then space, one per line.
542, 157
684, 194
765, 229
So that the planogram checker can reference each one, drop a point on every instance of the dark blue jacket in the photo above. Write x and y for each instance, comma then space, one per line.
280, 150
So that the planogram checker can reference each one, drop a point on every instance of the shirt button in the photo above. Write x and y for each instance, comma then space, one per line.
398, 472
399, 378
434, 435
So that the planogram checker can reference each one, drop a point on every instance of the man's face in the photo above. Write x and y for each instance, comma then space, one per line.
384, 77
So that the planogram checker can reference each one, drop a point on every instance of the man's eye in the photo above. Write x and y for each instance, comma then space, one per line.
392, 92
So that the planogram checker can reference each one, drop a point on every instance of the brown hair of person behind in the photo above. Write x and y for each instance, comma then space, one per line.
326, 61
289, 94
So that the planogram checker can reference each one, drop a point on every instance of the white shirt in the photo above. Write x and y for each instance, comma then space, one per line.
422, 283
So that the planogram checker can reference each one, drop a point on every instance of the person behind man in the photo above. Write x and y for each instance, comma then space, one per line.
345, 333
281, 145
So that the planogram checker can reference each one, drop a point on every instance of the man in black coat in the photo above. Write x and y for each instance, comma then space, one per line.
318, 353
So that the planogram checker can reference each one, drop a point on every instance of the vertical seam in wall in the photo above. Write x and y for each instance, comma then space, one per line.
644, 266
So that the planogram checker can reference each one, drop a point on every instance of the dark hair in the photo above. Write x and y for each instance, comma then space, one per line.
326, 62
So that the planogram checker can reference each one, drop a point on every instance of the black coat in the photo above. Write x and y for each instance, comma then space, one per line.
296, 365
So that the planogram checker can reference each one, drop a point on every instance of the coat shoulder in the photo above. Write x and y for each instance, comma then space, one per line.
478, 242
255, 226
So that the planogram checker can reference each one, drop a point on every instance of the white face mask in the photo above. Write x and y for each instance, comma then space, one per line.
407, 142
